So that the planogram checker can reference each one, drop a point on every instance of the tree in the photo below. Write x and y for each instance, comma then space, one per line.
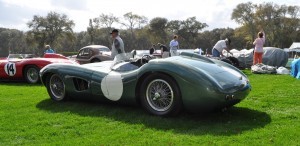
47, 30
100, 27
174, 26
92, 30
187, 30
158, 30
5, 42
133, 21
244, 14
12, 41
280, 22
107, 20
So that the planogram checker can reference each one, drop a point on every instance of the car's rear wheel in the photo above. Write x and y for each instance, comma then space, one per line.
160, 95
31, 74
56, 87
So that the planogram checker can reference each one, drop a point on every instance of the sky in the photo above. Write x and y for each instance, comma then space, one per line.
15, 14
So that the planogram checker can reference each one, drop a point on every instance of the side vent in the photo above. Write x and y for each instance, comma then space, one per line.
80, 84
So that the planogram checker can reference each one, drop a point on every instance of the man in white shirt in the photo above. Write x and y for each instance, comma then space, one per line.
174, 46
118, 45
220, 46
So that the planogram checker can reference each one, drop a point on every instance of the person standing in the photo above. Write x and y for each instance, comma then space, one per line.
174, 46
49, 49
217, 50
118, 45
258, 49
164, 51
152, 49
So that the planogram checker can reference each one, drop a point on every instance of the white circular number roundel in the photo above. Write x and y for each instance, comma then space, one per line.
112, 86
10, 69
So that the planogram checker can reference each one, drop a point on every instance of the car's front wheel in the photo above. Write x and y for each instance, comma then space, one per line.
31, 74
160, 95
56, 87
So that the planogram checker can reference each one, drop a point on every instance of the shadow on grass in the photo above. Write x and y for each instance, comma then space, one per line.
18, 83
232, 122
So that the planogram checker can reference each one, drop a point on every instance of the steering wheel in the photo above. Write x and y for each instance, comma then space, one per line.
146, 57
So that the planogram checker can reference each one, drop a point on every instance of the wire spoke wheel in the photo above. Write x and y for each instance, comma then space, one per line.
32, 75
159, 95
57, 87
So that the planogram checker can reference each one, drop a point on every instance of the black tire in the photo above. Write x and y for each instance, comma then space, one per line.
160, 95
56, 87
95, 60
31, 74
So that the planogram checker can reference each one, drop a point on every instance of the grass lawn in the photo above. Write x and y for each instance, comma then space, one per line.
270, 115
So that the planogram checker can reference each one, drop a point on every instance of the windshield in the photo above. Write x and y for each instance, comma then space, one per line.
123, 57
15, 56
20, 56
104, 49
128, 62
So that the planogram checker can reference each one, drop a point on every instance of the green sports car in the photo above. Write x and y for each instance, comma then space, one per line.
163, 87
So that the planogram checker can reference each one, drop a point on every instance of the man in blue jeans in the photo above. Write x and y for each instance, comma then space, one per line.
217, 51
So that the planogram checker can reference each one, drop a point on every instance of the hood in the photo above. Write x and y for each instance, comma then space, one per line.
54, 60
104, 66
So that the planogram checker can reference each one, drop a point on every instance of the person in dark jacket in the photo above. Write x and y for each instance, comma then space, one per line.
152, 49
164, 50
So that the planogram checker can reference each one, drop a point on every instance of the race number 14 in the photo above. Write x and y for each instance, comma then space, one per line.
10, 69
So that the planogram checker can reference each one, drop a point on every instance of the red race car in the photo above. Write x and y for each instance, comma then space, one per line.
26, 66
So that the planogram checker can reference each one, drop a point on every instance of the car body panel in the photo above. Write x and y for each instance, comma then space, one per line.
89, 54
204, 84
54, 55
13, 68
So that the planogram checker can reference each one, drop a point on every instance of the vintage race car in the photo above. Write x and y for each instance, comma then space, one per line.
25, 67
162, 86
92, 54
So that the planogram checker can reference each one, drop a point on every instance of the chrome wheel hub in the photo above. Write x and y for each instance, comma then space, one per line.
57, 87
159, 95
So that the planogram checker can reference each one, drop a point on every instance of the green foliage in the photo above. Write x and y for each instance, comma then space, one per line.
281, 23
12, 40
49, 29
268, 116
158, 30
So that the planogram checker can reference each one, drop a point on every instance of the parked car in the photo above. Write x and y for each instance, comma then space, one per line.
162, 86
25, 66
92, 54
54, 55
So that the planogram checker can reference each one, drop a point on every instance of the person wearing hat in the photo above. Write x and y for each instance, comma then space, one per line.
118, 45
48, 49
220, 46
